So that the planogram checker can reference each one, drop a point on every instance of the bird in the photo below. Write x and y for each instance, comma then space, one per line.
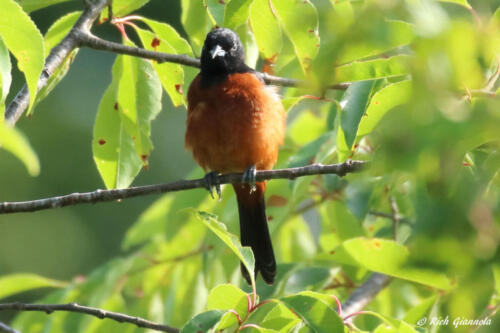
236, 123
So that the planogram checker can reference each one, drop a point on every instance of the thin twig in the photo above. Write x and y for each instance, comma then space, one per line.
365, 293
117, 194
96, 312
7, 329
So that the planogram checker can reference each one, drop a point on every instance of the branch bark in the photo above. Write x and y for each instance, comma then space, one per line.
96, 312
365, 293
80, 36
7, 329
118, 194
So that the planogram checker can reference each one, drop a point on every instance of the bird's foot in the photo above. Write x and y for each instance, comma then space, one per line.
211, 183
249, 177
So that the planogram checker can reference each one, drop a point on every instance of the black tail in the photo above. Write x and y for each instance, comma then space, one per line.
254, 231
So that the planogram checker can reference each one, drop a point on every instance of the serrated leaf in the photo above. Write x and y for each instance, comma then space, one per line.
244, 253
171, 75
112, 146
463, 3
204, 322
386, 257
228, 297
372, 69
122, 8
25, 42
236, 13
59, 30
354, 103
198, 28
266, 29
17, 283
299, 20
15, 142
5, 76
139, 102
316, 314
32, 5
382, 101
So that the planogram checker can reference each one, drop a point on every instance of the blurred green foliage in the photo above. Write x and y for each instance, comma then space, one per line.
423, 106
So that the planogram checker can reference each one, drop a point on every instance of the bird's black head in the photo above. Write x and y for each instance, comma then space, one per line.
222, 54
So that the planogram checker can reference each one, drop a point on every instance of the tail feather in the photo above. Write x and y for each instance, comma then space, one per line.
254, 230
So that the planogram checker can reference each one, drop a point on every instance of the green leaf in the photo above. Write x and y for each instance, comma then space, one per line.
382, 101
139, 102
395, 34
419, 311
244, 253
171, 75
196, 29
463, 3
354, 103
15, 142
204, 322
372, 69
316, 314
215, 10
387, 257
24, 41
496, 275
266, 29
5, 76
112, 146
237, 12
228, 297
299, 20
32, 5
122, 8
17, 283
59, 30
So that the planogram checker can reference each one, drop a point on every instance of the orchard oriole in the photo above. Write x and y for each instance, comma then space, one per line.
236, 123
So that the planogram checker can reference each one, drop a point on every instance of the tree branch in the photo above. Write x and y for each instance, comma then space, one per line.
365, 293
56, 57
117, 194
96, 312
80, 36
7, 329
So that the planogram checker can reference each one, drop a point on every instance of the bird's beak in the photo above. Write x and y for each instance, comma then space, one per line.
217, 51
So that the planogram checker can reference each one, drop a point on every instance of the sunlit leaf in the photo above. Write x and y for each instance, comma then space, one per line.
299, 20
139, 102
32, 5
237, 12
25, 42
16, 143
244, 253
387, 257
228, 297
463, 3
215, 10
204, 322
17, 283
59, 29
266, 29
382, 101
122, 8
198, 28
5, 76
113, 147
419, 311
171, 75
372, 69
316, 314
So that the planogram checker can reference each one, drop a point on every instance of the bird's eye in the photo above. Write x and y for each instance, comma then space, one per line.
235, 46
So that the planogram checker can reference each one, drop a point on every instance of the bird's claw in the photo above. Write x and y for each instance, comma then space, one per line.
211, 183
249, 177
